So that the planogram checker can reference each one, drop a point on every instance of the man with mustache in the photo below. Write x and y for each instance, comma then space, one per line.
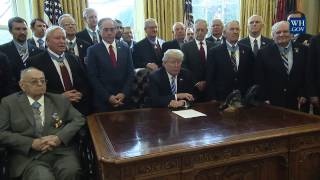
18, 50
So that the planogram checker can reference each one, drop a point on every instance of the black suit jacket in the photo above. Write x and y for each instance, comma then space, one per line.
174, 44
313, 67
80, 80
31, 41
303, 39
15, 60
192, 60
5, 76
221, 78
159, 89
215, 43
82, 48
264, 42
276, 85
144, 53
84, 35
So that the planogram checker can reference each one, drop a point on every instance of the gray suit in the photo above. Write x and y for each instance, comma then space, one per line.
17, 133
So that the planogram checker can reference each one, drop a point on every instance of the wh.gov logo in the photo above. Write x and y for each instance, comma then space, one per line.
297, 25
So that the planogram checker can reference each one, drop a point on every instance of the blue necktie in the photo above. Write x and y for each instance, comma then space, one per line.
37, 117
173, 85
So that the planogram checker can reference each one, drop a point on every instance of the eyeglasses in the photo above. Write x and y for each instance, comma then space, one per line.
37, 81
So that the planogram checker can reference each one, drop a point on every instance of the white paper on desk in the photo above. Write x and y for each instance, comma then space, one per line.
189, 113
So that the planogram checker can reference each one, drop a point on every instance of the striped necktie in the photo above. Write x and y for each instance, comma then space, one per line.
234, 60
284, 56
173, 85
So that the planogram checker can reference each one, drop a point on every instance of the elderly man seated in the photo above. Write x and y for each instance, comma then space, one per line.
171, 86
37, 128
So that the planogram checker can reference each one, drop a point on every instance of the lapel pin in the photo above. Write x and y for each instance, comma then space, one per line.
57, 121
296, 50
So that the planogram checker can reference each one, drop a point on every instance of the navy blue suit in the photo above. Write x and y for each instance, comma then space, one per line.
277, 86
15, 60
159, 89
84, 35
174, 44
144, 53
222, 79
106, 79
5, 76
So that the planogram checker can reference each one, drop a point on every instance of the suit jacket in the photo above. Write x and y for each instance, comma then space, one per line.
17, 128
174, 44
313, 67
277, 86
144, 53
215, 43
192, 60
221, 78
303, 39
15, 60
5, 76
82, 48
31, 41
159, 89
264, 42
44, 62
84, 35
105, 79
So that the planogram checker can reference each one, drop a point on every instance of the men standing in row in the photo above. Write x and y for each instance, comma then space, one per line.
280, 69
216, 32
230, 66
147, 53
110, 70
63, 71
195, 57
38, 27
255, 40
179, 34
171, 86
38, 130
18, 50
90, 33
75, 46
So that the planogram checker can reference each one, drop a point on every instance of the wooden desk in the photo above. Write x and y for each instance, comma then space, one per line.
259, 143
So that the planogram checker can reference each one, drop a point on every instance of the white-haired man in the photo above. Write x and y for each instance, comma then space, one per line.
171, 86
280, 69
179, 33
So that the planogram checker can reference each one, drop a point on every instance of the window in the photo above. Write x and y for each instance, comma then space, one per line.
6, 12
129, 12
226, 10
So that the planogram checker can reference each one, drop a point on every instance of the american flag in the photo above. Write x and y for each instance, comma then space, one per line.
188, 18
53, 9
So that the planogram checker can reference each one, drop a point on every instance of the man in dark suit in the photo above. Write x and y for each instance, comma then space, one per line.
110, 70
5, 76
255, 40
63, 71
18, 50
179, 33
38, 27
147, 53
216, 32
303, 39
119, 29
171, 86
195, 57
90, 33
75, 46
230, 66
280, 69
38, 128
127, 37
313, 73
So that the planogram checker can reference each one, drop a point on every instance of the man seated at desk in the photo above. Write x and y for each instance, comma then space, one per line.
37, 128
171, 86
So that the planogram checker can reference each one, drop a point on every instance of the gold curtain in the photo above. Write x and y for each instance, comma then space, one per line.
74, 7
166, 12
264, 8
311, 9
